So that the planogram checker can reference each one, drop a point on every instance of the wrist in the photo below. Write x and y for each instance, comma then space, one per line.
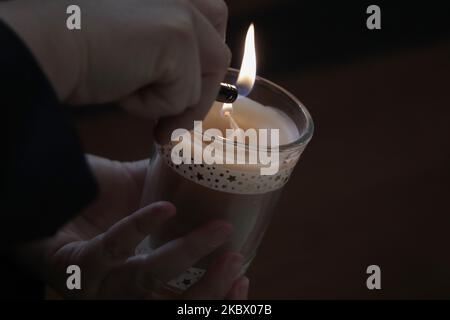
41, 26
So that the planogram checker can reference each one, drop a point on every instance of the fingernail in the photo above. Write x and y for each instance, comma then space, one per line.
219, 234
163, 207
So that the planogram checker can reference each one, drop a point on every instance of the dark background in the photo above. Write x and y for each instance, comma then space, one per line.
373, 186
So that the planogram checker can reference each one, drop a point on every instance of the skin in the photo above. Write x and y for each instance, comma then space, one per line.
161, 59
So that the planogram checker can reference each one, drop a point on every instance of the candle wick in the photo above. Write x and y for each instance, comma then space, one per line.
233, 123
226, 112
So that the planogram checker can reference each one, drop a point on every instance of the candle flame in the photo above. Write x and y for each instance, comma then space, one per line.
247, 74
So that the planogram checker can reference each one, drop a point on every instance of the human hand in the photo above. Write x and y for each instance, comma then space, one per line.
158, 57
102, 239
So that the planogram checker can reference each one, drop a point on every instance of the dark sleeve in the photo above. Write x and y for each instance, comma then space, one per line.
45, 177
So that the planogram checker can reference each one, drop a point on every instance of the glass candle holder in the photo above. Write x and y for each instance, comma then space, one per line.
237, 194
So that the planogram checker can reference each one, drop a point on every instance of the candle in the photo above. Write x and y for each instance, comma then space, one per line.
238, 193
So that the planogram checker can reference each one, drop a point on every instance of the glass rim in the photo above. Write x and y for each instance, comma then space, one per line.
306, 133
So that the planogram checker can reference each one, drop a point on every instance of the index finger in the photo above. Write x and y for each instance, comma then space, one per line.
120, 241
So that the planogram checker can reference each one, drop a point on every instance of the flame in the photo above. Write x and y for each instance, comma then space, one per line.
247, 74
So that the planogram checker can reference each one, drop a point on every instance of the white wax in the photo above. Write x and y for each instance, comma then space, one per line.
251, 114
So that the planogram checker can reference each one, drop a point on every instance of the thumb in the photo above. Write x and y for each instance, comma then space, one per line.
210, 90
